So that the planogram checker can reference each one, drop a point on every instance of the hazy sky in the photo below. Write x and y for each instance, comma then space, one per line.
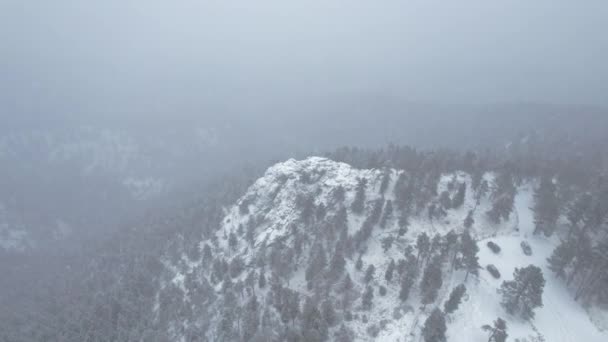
196, 56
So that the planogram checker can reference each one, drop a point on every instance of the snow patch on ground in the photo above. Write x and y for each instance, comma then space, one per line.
561, 319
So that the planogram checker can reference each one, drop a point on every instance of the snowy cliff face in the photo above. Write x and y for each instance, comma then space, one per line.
299, 229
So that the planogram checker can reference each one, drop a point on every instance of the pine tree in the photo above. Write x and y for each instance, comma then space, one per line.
369, 273
501, 208
482, 191
314, 328
469, 250
306, 204
291, 305
250, 233
451, 305
386, 177
207, 254
320, 212
388, 276
317, 262
423, 244
407, 283
339, 194
262, 279
345, 334
404, 223
431, 281
434, 327
387, 243
458, 200
498, 331
368, 298
376, 214
328, 312
251, 319
359, 203
562, 256
359, 264
503, 196
387, 215
524, 293
469, 221
233, 241
337, 263
546, 207
445, 200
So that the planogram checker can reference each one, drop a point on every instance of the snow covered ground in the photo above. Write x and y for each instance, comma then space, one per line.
561, 319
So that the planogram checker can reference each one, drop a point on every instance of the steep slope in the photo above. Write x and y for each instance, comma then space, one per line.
322, 236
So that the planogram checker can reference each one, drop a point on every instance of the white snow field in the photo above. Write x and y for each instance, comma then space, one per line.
561, 319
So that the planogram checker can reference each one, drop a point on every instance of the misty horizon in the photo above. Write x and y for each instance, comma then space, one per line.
148, 59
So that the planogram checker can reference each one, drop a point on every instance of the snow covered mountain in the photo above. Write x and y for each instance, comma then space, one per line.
319, 250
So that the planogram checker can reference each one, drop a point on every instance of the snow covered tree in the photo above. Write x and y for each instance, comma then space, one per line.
388, 275
482, 191
320, 212
431, 281
317, 262
344, 334
469, 250
338, 194
369, 273
469, 221
451, 305
407, 283
328, 312
368, 298
561, 257
359, 203
207, 254
546, 207
404, 223
423, 244
445, 200
503, 197
437, 244
359, 264
387, 215
262, 279
387, 243
501, 208
524, 293
251, 319
337, 263
497, 331
458, 199
250, 232
233, 241
434, 327
386, 178
290, 306
306, 205
314, 328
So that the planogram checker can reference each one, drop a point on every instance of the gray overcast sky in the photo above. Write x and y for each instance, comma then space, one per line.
166, 57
